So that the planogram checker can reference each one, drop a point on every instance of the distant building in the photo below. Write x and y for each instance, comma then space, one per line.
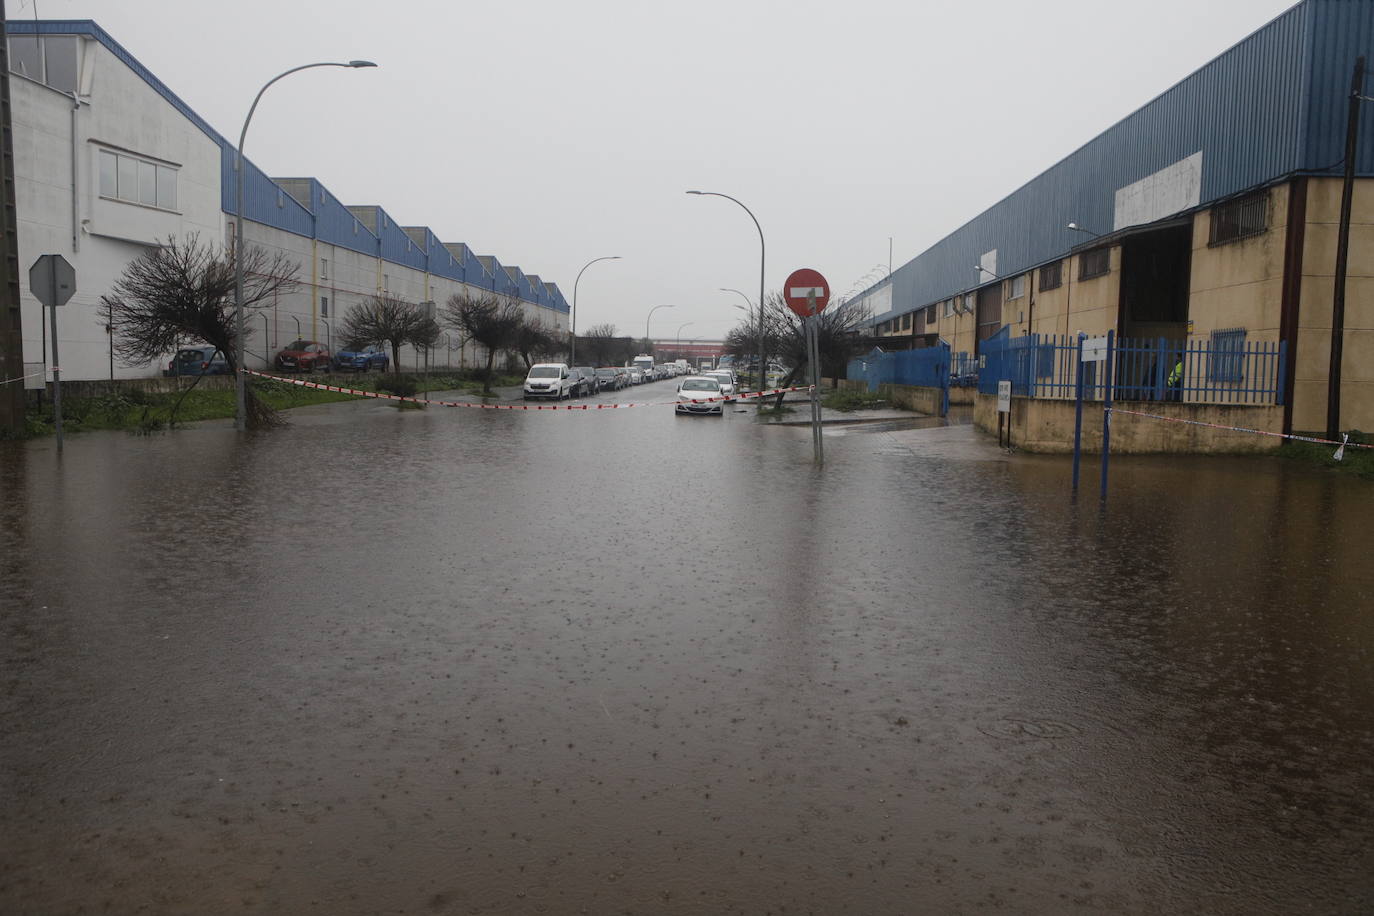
1209, 215
109, 161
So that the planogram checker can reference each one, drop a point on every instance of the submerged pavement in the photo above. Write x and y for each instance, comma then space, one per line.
620, 661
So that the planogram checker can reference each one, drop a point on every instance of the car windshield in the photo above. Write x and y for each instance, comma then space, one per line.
606, 373
544, 372
297, 345
192, 356
700, 384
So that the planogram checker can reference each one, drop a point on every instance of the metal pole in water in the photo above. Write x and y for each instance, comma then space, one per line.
1078, 417
1107, 412
56, 371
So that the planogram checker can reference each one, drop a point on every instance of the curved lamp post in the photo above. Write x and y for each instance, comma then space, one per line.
679, 339
240, 397
650, 315
763, 251
572, 319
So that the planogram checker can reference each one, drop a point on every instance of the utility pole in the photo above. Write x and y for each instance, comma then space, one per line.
1333, 375
11, 329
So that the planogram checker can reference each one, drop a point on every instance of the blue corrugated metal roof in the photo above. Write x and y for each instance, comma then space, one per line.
1271, 106
265, 201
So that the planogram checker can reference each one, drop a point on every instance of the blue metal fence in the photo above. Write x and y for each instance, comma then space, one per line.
1221, 369
928, 367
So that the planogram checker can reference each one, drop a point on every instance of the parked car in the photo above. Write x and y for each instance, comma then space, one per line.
636, 377
611, 379
303, 356
593, 384
364, 359
726, 380
696, 388
549, 380
197, 361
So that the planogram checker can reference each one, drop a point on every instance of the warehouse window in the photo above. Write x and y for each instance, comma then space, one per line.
1052, 276
125, 177
948, 310
1094, 263
906, 322
324, 306
1226, 359
1240, 219
1016, 287
930, 316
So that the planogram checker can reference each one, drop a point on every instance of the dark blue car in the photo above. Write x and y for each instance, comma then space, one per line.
197, 361
366, 359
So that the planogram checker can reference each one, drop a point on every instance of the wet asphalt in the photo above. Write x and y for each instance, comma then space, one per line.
616, 661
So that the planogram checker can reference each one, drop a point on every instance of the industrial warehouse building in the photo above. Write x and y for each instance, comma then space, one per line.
1206, 222
109, 161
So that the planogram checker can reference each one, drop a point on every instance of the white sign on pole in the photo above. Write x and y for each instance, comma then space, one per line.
1095, 350
1004, 396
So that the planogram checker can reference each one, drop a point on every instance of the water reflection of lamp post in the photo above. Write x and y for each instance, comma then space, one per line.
240, 390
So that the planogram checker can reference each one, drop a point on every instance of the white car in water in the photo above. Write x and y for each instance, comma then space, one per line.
726, 379
699, 394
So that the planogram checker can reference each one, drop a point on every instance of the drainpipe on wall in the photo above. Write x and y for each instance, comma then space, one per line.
76, 185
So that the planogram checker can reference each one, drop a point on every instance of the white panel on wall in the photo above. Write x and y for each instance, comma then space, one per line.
1172, 189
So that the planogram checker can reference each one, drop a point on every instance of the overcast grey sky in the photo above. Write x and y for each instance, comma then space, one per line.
550, 133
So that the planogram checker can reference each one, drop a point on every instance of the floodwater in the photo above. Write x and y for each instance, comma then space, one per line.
473, 662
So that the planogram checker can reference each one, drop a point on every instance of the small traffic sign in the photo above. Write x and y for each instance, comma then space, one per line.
52, 280
1004, 396
802, 287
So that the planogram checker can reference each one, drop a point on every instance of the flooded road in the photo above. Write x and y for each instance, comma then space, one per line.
476, 662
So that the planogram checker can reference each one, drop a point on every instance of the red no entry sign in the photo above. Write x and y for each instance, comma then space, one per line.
799, 289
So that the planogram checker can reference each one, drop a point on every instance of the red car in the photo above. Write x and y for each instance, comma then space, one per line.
303, 356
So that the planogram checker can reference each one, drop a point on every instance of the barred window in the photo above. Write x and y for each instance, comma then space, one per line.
906, 322
930, 316
1240, 219
1052, 276
1226, 358
1094, 263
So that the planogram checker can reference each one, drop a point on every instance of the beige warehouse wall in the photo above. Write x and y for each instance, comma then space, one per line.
1314, 323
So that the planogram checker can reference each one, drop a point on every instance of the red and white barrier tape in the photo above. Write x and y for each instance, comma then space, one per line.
395, 397
1239, 429
21, 378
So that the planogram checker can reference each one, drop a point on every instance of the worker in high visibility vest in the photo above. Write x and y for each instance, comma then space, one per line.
1176, 379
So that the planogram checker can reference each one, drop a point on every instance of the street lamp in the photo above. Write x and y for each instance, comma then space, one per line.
650, 315
763, 252
240, 388
747, 301
572, 319
679, 338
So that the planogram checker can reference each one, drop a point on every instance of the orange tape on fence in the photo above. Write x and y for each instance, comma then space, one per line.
598, 406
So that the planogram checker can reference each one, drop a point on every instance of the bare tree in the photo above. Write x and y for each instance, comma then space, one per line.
839, 337
530, 341
486, 320
184, 290
386, 319
602, 345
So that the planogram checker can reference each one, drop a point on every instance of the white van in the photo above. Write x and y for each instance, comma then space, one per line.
549, 380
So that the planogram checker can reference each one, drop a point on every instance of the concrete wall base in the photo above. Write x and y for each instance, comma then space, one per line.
1047, 426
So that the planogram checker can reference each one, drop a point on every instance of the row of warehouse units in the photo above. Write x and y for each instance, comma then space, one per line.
109, 162
1209, 218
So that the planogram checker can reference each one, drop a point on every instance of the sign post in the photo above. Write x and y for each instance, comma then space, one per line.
52, 281
807, 294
